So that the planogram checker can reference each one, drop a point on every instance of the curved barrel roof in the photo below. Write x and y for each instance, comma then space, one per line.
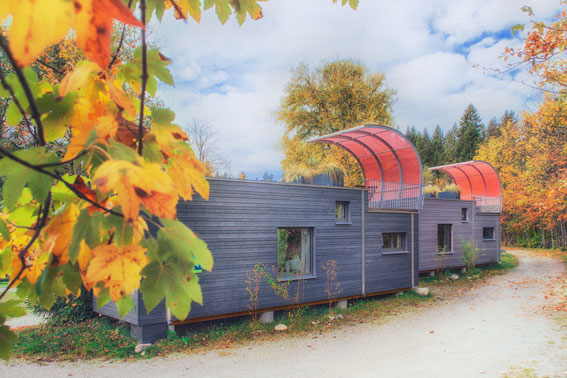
390, 164
384, 153
478, 181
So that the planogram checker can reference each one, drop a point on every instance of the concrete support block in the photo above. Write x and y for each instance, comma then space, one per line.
266, 317
432, 274
463, 270
148, 333
342, 305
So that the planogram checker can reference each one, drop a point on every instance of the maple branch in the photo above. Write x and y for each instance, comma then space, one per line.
58, 177
36, 115
42, 220
9, 88
47, 165
144, 79
117, 51
51, 67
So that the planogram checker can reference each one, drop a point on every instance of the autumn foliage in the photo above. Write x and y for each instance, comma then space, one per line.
80, 216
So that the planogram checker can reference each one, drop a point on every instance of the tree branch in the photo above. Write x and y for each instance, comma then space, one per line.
53, 68
36, 115
56, 176
144, 79
117, 52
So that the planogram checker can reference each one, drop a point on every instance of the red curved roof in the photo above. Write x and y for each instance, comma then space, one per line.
478, 181
390, 163
383, 153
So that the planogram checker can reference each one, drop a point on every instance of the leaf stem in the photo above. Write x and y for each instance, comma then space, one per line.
144, 79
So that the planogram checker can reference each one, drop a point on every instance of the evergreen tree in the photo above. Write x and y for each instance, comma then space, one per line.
450, 150
469, 134
424, 149
436, 148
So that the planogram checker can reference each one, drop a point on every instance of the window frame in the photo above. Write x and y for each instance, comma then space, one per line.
395, 251
464, 214
493, 234
346, 219
450, 239
310, 273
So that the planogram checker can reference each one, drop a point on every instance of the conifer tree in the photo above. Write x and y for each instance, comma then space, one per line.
469, 134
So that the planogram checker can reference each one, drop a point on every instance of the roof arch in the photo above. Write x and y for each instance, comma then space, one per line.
479, 181
390, 164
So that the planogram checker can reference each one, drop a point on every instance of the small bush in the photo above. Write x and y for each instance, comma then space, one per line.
470, 254
69, 310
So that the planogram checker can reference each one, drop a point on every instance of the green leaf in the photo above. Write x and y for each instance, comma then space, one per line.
12, 309
59, 111
123, 231
14, 184
7, 338
157, 66
85, 228
162, 116
72, 277
13, 114
124, 305
103, 297
5, 258
4, 230
222, 9
119, 151
152, 152
353, 4
184, 243
517, 28
24, 215
171, 280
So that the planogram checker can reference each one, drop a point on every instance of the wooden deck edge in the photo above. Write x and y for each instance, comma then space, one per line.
279, 308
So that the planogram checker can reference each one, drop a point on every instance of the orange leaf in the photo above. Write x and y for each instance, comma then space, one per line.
93, 23
61, 227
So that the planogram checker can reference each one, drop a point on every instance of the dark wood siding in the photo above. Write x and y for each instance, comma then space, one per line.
440, 211
489, 250
240, 223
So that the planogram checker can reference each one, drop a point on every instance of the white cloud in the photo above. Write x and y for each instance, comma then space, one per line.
235, 76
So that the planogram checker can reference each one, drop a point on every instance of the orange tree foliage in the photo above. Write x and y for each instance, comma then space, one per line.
531, 158
131, 162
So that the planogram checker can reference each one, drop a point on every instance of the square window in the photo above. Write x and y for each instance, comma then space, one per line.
295, 251
444, 238
394, 241
465, 214
488, 233
342, 211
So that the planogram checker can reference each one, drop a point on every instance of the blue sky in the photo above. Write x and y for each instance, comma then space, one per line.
432, 53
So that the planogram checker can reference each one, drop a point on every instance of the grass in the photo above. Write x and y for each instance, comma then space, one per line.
101, 338
95, 338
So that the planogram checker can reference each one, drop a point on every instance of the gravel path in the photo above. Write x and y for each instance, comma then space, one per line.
503, 328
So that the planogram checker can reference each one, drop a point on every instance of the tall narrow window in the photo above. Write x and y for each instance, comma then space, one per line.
394, 241
444, 238
465, 214
341, 212
488, 233
295, 251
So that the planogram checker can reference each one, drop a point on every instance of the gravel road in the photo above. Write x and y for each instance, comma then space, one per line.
504, 328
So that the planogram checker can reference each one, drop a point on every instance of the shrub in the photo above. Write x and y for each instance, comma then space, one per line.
71, 309
470, 254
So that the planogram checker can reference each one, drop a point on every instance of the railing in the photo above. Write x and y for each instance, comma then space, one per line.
486, 204
393, 195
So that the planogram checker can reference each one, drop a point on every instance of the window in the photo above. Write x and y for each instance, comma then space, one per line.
444, 238
341, 212
465, 214
394, 241
488, 233
295, 251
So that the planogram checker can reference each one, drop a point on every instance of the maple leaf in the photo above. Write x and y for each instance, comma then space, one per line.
61, 227
93, 23
118, 268
35, 25
187, 173
137, 183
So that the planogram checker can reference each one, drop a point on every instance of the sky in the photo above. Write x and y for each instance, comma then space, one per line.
438, 55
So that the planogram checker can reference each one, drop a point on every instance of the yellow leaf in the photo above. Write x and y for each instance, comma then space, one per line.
62, 228
135, 184
118, 268
187, 173
78, 78
36, 24
84, 256
121, 99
